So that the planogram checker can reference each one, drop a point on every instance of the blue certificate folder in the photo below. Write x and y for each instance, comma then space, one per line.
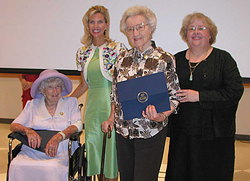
136, 94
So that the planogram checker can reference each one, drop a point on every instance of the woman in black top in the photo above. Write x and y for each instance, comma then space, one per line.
203, 132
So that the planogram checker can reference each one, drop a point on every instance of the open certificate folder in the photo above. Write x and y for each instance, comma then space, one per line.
136, 94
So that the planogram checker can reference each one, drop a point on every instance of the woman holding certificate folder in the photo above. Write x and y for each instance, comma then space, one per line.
140, 141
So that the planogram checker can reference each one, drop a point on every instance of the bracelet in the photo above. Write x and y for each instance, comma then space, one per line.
163, 115
63, 135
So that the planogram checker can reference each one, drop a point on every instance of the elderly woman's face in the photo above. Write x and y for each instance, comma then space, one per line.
53, 92
138, 32
198, 34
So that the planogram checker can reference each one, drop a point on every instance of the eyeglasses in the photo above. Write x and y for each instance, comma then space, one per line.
51, 87
139, 27
193, 28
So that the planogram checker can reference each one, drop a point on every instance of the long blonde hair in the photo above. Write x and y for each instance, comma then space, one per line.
87, 38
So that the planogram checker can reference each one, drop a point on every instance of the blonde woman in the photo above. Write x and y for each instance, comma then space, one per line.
96, 61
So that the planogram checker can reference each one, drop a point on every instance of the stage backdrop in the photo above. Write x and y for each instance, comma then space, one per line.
46, 34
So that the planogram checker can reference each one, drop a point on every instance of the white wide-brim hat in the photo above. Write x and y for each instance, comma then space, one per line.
48, 74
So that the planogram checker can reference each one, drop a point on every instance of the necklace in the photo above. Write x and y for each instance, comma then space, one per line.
192, 68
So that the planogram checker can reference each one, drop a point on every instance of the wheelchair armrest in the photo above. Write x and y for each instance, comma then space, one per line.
75, 136
16, 150
11, 135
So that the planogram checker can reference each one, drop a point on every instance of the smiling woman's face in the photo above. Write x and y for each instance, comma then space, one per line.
53, 92
139, 39
197, 35
97, 25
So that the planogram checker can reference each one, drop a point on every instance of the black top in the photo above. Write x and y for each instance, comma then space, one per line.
189, 113
220, 88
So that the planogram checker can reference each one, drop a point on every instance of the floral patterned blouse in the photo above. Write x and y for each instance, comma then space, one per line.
131, 64
108, 52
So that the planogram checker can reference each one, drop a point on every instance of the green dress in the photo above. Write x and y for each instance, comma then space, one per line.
98, 110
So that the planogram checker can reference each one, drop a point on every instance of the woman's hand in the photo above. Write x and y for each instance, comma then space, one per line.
110, 122
34, 140
152, 114
106, 125
52, 145
187, 95
26, 84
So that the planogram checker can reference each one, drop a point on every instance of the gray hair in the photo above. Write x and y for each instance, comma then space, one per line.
139, 10
45, 83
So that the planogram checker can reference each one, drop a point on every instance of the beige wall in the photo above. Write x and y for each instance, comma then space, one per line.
243, 113
11, 105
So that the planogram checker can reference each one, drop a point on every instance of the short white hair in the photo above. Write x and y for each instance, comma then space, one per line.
139, 10
45, 83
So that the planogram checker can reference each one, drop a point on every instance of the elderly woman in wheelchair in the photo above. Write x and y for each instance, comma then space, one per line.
47, 111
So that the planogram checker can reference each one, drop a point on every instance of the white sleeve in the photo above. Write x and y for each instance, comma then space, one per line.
76, 118
79, 125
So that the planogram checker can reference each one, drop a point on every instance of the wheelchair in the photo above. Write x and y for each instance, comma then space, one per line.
77, 163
